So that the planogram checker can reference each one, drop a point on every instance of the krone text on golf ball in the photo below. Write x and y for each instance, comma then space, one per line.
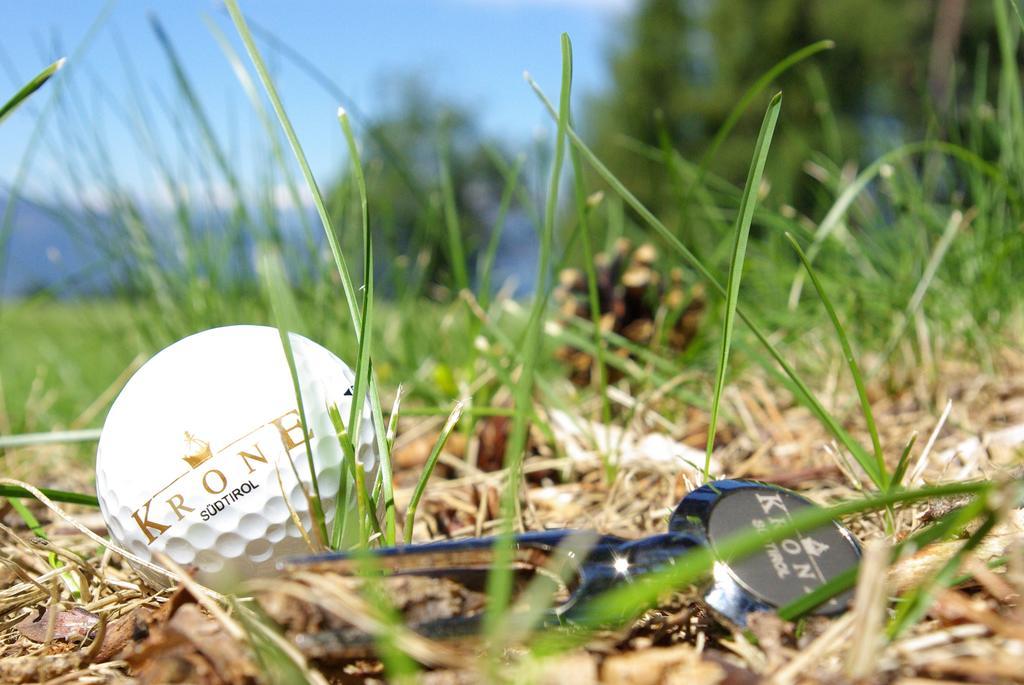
214, 477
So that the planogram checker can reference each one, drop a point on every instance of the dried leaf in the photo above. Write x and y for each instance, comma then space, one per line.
73, 625
127, 630
191, 647
493, 437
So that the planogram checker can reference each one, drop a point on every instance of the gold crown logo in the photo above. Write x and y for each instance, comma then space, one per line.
196, 451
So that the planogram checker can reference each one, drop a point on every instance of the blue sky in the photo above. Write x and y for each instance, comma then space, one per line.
473, 51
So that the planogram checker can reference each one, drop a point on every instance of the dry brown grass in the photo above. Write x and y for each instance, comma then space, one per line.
974, 632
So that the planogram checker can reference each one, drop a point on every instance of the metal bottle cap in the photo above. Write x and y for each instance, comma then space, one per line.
781, 571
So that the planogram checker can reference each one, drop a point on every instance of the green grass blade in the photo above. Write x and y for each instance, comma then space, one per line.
640, 361
490, 253
340, 535
1016, 11
801, 391
428, 469
342, 514
384, 487
293, 140
593, 299
901, 466
523, 191
386, 473
920, 599
245, 80
1010, 109
879, 474
456, 253
195, 106
348, 288
818, 91
537, 597
948, 525
32, 86
378, 134
739, 249
804, 604
396, 409
36, 138
763, 82
399, 666
629, 600
56, 495
286, 317
957, 224
839, 208
499, 581
362, 371
28, 517
365, 508
279, 661
501, 367
51, 438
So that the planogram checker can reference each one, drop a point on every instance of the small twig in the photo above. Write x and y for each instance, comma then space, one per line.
868, 610
97, 641
51, 438
108, 395
831, 639
85, 531
922, 462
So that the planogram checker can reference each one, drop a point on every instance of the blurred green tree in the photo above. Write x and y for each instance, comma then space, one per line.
404, 152
680, 66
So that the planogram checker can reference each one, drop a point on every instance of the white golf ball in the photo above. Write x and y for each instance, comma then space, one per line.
203, 456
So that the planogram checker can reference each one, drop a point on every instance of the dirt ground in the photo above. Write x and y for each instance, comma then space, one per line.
100, 623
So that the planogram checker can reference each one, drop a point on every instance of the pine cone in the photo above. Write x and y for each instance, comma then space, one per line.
635, 302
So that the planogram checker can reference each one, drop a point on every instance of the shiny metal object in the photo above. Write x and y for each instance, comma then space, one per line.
591, 563
781, 571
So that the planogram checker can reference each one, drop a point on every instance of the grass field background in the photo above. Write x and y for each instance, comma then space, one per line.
855, 288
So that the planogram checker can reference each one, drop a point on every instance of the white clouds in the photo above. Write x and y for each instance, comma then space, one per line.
157, 197
283, 196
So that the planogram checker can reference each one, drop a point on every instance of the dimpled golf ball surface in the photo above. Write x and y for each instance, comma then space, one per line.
199, 454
